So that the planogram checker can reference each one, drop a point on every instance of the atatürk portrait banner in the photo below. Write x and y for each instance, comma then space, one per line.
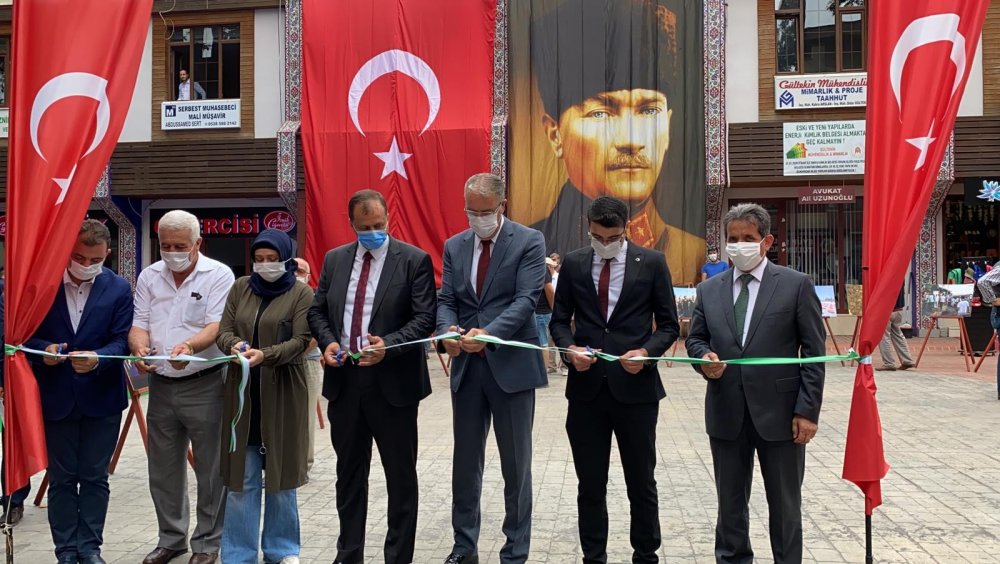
607, 98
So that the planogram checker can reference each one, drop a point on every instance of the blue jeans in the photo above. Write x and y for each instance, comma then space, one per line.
241, 532
542, 325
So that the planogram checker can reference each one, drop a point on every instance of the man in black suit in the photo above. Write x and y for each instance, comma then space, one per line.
758, 309
612, 292
374, 293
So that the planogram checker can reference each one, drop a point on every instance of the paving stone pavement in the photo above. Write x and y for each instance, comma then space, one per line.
942, 496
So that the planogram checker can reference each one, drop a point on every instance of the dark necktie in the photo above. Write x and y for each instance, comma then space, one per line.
484, 265
359, 303
740, 307
603, 285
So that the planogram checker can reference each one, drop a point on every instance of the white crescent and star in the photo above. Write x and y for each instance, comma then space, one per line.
64, 86
394, 60
920, 32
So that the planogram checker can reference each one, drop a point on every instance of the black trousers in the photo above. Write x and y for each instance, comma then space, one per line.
358, 415
782, 464
589, 425
79, 449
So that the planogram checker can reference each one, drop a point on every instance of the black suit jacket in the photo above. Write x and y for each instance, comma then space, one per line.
786, 321
647, 295
403, 310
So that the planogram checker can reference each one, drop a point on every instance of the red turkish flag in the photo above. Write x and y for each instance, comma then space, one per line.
71, 89
396, 97
920, 56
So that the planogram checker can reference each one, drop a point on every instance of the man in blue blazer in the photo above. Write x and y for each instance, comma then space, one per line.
493, 275
83, 398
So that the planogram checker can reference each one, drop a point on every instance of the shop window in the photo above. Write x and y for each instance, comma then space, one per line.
970, 230
209, 57
820, 36
4, 71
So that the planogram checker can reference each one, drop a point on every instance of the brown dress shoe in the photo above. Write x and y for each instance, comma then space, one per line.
162, 555
203, 558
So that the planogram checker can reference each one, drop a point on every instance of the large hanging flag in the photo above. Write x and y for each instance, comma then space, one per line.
921, 53
396, 97
71, 90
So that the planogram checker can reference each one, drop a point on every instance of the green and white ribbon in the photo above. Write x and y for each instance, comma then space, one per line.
244, 371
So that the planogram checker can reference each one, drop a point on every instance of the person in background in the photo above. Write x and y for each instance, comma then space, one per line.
543, 315
314, 365
893, 337
185, 87
265, 322
179, 302
713, 265
988, 289
555, 364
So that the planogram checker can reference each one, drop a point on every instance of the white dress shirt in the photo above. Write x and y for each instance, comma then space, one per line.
184, 90
76, 297
374, 273
174, 314
617, 276
758, 275
477, 250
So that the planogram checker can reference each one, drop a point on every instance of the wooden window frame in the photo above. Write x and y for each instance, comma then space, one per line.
171, 84
799, 14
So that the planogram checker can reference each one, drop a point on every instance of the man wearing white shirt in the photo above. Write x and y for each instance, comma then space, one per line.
179, 302
758, 310
187, 86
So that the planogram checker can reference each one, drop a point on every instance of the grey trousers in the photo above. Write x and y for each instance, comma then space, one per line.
182, 413
893, 337
478, 402
314, 379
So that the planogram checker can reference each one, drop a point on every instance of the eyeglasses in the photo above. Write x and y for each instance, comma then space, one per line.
608, 240
477, 213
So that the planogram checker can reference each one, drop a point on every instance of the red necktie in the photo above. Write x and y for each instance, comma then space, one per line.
603, 283
484, 265
359, 303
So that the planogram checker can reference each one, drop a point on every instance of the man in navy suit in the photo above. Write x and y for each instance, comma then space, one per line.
83, 398
493, 275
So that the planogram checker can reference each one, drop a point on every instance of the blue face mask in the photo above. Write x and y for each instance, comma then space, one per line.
372, 239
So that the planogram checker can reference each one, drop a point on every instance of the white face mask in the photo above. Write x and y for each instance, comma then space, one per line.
84, 273
484, 226
745, 256
269, 271
608, 251
303, 279
713, 257
176, 262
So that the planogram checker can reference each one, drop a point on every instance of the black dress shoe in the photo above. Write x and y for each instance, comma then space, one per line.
14, 516
92, 559
162, 555
454, 558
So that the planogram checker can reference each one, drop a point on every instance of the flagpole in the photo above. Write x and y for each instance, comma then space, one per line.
868, 540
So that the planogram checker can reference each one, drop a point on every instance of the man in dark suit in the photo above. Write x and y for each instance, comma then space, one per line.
377, 292
83, 398
611, 293
493, 275
758, 309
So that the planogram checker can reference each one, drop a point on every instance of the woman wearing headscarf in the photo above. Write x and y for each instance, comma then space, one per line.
265, 322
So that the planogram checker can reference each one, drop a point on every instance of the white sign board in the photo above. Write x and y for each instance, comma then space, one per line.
4, 122
842, 90
200, 114
824, 147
